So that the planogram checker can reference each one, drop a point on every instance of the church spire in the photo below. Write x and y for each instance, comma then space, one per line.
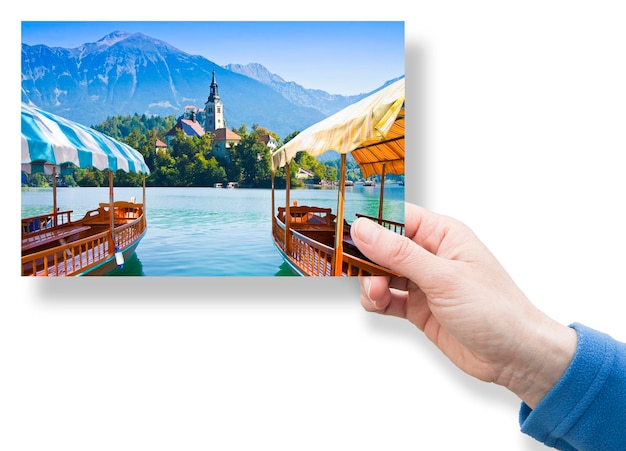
213, 95
214, 110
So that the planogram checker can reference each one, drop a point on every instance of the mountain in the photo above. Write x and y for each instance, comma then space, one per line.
124, 74
311, 98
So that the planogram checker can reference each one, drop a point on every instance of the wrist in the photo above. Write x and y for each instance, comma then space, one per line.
545, 354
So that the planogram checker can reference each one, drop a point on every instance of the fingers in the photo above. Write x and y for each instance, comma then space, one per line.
391, 250
377, 295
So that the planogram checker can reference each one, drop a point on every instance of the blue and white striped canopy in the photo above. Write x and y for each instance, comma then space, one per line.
48, 139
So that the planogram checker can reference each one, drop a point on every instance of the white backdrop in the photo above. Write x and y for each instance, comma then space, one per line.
516, 125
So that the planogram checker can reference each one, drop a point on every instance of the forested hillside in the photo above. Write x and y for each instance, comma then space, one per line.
190, 161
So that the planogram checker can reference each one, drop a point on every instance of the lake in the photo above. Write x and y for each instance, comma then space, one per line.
210, 231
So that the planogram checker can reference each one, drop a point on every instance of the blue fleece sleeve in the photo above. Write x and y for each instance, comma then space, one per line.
586, 409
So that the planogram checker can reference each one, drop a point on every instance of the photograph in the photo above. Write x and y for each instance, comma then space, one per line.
145, 158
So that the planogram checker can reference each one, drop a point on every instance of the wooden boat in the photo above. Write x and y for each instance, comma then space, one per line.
316, 241
56, 244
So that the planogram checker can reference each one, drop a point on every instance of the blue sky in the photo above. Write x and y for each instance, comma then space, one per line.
337, 57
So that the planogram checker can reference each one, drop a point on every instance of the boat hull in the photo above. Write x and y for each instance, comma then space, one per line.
110, 263
308, 248
83, 247
292, 265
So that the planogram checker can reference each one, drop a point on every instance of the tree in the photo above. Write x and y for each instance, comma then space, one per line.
189, 161
251, 158
91, 177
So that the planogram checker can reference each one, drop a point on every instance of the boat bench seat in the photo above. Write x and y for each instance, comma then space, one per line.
304, 227
122, 209
50, 236
308, 215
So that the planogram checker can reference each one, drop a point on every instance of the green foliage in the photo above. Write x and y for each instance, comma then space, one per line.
321, 171
38, 180
252, 160
189, 161
85, 177
119, 127
353, 171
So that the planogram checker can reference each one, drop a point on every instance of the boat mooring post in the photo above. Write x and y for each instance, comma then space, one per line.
382, 194
54, 196
111, 215
337, 264
288, 246
273, 205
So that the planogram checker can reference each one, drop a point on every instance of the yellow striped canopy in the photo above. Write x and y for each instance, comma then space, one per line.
372, 129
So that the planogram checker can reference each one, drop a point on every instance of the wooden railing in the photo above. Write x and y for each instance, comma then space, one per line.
354, 266
397, 227
313, 258
81, 255
37, 223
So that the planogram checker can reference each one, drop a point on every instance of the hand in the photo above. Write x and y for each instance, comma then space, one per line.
458, 294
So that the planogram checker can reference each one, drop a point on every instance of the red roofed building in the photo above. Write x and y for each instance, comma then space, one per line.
270, 142
188, 126
160, 146
223, 140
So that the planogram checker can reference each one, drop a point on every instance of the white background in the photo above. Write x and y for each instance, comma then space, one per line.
516, 125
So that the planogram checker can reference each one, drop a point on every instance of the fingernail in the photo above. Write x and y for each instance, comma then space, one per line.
367, 285
366, 230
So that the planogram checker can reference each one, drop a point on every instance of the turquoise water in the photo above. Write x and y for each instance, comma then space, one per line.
209, 231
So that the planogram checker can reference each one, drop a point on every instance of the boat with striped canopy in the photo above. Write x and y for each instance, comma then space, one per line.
56, 244
316, 241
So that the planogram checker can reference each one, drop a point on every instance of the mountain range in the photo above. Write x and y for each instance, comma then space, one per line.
124, 74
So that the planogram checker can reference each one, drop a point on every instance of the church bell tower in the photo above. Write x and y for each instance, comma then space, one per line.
214, 109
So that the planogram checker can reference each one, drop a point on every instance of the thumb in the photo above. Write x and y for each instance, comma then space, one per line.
393, 251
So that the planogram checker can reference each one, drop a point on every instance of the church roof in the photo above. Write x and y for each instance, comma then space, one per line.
224, 134
190, 128
265, 138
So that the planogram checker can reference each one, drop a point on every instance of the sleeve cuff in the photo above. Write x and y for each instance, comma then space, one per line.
556, 416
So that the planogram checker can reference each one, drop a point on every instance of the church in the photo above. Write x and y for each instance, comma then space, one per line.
223, 139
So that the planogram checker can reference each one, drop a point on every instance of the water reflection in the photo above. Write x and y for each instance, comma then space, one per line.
285, 270
132, 267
